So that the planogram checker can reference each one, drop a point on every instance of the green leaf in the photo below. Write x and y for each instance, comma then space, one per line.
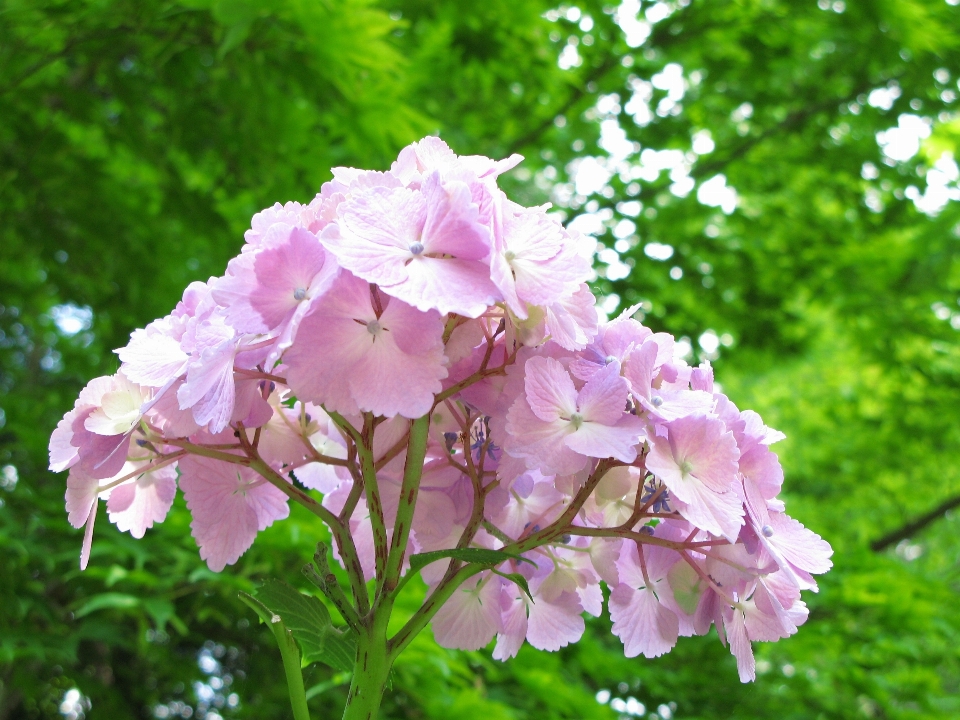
519, 580
108, 601
262, 611
476, 556
309, 621
340, 651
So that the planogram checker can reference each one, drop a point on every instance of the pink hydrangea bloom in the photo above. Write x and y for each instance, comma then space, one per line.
558, 427
271, 289
142, 501
425, 248
421, 304
352, 356
230, 504
533, 262
471, 617
697, 461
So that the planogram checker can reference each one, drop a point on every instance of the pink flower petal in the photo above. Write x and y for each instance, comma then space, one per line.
139, 503
642, 623
555, 624
230, 504
549, 389
471, 617
604, 396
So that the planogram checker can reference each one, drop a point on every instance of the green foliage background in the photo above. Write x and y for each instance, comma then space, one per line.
137, 137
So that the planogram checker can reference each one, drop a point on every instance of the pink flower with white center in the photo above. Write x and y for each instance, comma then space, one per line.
271, 289
558, 428
350, 356
230, 504
471, 617
426, 248
533, 262
96, 433
697, 461
64, 448
119, 409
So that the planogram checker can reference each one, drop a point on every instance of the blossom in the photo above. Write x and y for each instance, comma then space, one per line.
697, 461
558, 427
423, 361
229, 504
641, 604
471, 617
533, 261
137, 504
425, 248
351, 355
271, 289
96, 433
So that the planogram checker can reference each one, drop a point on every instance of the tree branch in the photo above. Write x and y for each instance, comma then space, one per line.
914, 526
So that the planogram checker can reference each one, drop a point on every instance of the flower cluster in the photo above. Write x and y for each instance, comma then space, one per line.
423, 299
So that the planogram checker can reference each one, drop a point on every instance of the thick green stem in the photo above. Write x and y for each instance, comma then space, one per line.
412, 472
371, 670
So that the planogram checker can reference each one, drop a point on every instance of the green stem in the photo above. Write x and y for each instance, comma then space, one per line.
340, 530
368, 470
289, 653
291, 667
412, 472
371, 670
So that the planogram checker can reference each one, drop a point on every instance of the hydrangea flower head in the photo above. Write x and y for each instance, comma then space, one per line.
419, 362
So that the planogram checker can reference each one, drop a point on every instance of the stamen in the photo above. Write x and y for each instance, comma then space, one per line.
767, 531
299, 294
416, 248
373, 327
656, 401
576, 420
